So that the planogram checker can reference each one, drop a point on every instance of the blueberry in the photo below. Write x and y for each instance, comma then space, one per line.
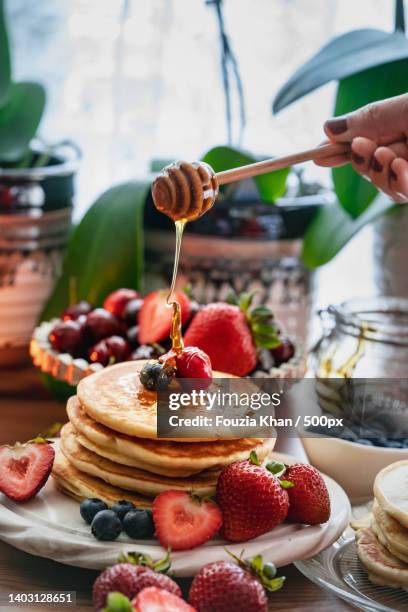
106, 525
90, 507
156, 376
122, 507
138, 524
364, 441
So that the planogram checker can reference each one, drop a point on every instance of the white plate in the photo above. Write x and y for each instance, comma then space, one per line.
50, 526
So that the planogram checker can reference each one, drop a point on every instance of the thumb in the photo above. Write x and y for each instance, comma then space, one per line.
383, 122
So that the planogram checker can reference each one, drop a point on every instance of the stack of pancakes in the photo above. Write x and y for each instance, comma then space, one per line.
110, 450
383, 545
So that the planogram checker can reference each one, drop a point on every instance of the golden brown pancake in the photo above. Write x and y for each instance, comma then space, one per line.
161, 457
128, 478
81, 486
382, 567
115, 397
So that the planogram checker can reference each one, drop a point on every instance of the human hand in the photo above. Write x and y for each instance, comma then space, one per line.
378, 134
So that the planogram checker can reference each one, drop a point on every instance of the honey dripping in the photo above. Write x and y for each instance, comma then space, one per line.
183, 191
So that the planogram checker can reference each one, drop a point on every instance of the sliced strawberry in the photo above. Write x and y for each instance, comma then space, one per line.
153, 599
184, 521
155, 316
24, 469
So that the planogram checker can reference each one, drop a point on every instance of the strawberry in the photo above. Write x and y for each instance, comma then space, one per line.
251, 499
223, 586
184, 521
155, 316
231, 333
25, 468
158, 600
309, 500
129, 579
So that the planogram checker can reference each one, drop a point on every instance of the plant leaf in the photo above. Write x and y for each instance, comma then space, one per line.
342, 57
354, 192
105, 250
270, 186
332, 228
5, 68
19, 119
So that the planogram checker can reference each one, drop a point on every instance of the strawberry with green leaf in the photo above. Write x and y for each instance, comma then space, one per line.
232, 333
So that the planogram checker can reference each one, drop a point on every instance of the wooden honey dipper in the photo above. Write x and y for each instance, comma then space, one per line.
184, 191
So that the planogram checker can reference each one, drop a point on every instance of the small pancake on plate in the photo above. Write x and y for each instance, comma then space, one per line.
382, 538
128, 478
396, 534
382, 567
391, 491
115, 397
81, 486
162, 456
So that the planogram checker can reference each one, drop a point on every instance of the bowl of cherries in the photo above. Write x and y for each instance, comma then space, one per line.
240, 339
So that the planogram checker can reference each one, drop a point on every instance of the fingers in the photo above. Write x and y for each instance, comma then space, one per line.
399, 179
383, 122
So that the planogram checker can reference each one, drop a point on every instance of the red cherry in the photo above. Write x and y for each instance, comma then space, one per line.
101, 323
117, 301
74, 311
110, 350
66, 337
284, 351
131, 312
192, 362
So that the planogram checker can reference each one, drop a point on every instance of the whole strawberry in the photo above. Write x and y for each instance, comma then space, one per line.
251, 499
231, 333
309, 500
129, 579
223, 586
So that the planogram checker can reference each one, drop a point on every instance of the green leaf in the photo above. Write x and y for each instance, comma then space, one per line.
117, 602
286, 484
354, 192
5, 68
270, 186
253, 458
342, 57
19, 119
276, 467
332, 228
105, 250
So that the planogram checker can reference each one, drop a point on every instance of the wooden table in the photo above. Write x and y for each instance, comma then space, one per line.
25, 411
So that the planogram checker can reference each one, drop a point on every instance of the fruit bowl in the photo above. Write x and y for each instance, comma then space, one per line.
239, 339
354, 466
66, 368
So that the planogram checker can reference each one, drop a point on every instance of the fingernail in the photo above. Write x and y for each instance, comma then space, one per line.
337, 126
393, 175
357, 159
375, 164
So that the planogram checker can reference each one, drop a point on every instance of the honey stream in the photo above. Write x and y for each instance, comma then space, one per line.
177, 344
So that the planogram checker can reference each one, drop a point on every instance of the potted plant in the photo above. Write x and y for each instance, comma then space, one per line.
369, 65
36, 191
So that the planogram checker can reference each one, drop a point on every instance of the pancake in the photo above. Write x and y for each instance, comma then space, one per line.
396, 535
382, 538
391, 491
128, 478
115, 397
161, 457
382, 567
81, 486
